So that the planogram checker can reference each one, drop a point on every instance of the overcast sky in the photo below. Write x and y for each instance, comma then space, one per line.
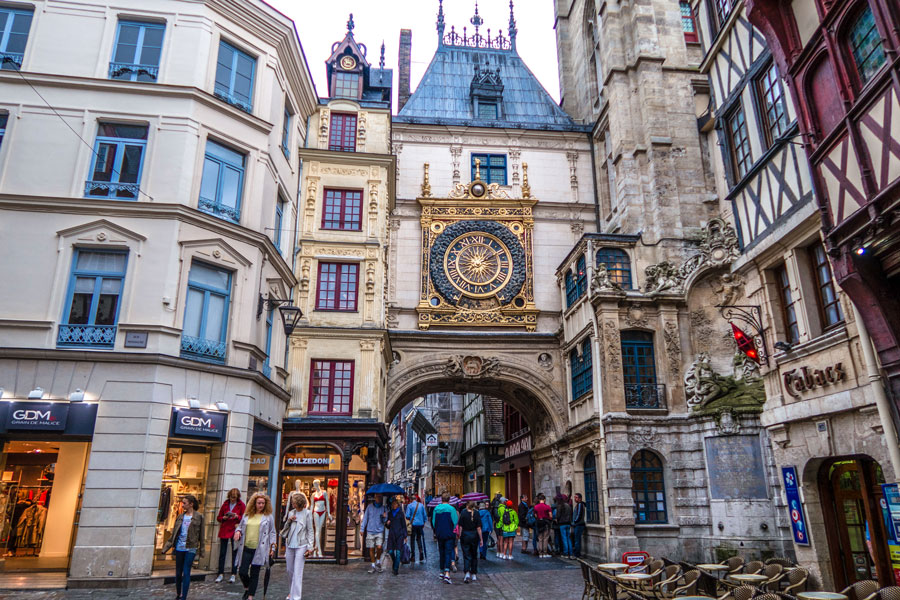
320, 24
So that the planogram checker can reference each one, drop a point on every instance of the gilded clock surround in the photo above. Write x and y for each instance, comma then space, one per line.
477, 256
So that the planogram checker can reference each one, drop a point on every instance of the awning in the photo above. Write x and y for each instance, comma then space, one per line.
421, 425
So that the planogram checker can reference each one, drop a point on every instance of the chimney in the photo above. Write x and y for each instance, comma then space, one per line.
404, 59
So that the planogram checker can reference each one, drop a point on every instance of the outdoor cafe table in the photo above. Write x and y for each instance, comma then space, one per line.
754, 579
713, 568
821, 596
634, 577
613, 566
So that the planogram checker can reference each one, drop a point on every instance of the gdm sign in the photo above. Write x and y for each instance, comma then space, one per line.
199, 423
38, 416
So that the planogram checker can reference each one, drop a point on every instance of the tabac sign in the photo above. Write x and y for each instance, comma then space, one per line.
806, 379
199, 423
37, 416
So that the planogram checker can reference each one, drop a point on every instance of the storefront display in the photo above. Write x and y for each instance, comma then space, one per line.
185, 472
258, 481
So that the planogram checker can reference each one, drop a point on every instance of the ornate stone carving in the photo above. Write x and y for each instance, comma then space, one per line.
545, 361
573, 168
745, 367
471, 367
345, 171
392, 321
643, 435
455, 153
636, 315
673, 347
601, 281
719, 243
727, 424
702, 384
426, 183
323, 128
730, 288
663, 277
613, 345
361, 130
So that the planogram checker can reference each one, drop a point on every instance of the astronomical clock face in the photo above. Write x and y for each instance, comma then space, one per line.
478, 264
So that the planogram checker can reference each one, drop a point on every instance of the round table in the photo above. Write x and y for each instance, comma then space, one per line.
636, 577
754, 579
613, 566
714, 568
821, 596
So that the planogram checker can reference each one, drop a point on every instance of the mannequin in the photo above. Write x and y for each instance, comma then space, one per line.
321, 509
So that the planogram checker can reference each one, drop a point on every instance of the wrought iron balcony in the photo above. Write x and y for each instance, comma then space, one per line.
93, 336
110, 189
229, 213
201, 349
645, 396
233, 100
11, 60
132, 72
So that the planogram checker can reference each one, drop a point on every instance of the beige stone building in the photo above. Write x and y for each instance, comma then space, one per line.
148, 205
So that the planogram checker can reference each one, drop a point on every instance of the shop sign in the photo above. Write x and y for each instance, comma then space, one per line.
795, 507
199, 423
805, 379
890, 507
431, 440
315, 459
259, 462
37, 416
520, 446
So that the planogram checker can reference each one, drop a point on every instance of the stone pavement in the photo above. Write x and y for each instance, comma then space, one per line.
524, 578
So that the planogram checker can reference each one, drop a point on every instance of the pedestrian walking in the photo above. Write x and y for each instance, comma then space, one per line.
299, 540
578, 525
373, 530
487, 526
564, 518
396, 534
509, 524
543, 516
523, 524
229, 516
187, 539
415, 515
256, 536
443, 521
498, 526
470, 537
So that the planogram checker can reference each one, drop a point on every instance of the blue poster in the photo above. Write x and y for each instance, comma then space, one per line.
795, 508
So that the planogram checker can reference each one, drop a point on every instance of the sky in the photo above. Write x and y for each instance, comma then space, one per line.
320, 24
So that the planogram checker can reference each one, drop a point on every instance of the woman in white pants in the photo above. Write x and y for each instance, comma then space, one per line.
298, 540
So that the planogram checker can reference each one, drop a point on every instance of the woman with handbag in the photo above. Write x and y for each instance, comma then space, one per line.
298, 540
396, 539
187, 539
256, 536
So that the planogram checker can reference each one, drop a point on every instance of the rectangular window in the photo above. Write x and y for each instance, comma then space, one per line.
582, 370
14, 27
723, 9
580, 276
342, 137
688, 24
738, 143
279, 223
118, 157
774, 105
571, 290
487, 110
866, 46
337, 286
639, 369
331, 387
346, 85
286, 132
206, 313
222, 184
492, 167
342, 210
829, 305
3, 118
788, 308
92, 304
234, 77
137, 51
267, 364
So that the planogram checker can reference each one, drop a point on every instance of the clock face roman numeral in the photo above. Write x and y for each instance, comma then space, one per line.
478, 264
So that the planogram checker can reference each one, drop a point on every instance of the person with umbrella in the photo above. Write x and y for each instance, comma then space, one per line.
415, 513
373, 530
396, 527
298, 540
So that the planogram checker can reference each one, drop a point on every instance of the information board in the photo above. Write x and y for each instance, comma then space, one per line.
736, 469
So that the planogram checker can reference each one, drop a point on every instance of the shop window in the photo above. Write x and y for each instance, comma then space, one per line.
14, 27
206, 313
342, 135
137, 51
688, 23
337, 286
788, 305
286, 132
826, 294
185, 471
118, 158
331, 387
618, 266
866, 46
648, 488
94, 298
279, 223
234, 77
738, 143
492, 167
639, 370
774, 105
343, 210
346, 85
582, 371
222, 184
591, 496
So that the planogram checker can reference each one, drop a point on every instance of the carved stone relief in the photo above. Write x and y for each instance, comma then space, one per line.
673, 348
636, 315
613, 344
643, 435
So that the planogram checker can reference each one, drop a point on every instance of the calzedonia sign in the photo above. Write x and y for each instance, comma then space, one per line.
806, 379
37, 416
188, 422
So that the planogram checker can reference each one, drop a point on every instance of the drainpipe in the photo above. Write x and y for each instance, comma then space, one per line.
885, 412
598, 397
274, 469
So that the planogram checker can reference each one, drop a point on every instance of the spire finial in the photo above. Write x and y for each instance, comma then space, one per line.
350, 24
512, 26
476, 20
426, 184
381, 60
477, 169
440, 22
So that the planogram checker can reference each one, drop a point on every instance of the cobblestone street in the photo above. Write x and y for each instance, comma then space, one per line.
524, 578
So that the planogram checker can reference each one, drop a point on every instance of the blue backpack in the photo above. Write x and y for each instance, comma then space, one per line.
530, 519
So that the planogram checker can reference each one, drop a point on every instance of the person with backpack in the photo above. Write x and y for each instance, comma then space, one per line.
543, 516
415, 515
531, 523
523, 516
443, 521
509, 524
498, 526
487, 526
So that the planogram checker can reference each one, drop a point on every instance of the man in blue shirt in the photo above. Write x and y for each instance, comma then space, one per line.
443, 520
373, 530
487, 526
415, 514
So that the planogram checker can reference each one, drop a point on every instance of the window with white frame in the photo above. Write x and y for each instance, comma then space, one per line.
137, 51
206, 313
222, 184
14, 27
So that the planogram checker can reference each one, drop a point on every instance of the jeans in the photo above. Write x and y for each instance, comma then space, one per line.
564, 540
223, 552
577, 534
418, 535
485, 542
534, 539
469, 542
184, 560
295, 560
395, 560
448, 549
249, 572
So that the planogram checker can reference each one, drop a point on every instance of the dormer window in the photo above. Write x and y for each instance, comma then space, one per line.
487, 109
486, 92
346, 85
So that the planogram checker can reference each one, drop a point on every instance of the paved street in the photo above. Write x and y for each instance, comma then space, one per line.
523, 578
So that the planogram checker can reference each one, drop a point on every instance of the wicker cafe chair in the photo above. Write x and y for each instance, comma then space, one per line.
775, 573
797, 580
735, 564
655, 570
891, 592
668, 579
601, 586
753, 567
688, 584
588, 593
742, 592
860, 589
780, 560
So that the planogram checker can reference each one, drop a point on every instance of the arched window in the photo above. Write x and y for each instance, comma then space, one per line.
618, 265
590, 489
582, 371
648, 488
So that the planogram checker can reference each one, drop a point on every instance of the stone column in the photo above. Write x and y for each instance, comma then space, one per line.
299, 376
366, 379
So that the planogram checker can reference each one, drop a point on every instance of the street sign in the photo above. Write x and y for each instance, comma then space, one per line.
431, 440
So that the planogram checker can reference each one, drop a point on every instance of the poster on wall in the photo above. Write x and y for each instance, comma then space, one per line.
795, 507
890, 507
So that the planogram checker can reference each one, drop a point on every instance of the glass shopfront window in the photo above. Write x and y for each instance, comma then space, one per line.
184, 472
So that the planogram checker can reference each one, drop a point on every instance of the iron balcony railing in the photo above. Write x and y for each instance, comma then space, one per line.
233, 100
229, 213
93, 336
201, 349
133, 72
11, 60
645, 396
110, 189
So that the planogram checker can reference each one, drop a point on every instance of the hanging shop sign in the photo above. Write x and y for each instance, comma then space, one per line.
806, 379
188, 422
431, 440
517, 447
37, 416
260, 462
795, 507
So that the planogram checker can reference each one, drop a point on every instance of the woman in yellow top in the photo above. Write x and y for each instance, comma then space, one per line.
255, 536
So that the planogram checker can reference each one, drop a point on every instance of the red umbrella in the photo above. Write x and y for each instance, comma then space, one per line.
474, 497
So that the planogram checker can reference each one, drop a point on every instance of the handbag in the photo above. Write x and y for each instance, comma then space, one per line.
409, 522
405, 554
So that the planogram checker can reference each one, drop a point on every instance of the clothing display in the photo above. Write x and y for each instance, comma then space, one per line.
184, 473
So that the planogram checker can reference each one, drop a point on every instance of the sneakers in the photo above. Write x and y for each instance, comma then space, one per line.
466, 580
453, 567
445, 578
231, 579
474, 578
380, 568
373, 569
219, 578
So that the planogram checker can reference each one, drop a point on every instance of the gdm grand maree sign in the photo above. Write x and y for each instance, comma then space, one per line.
38, 416
806, 379
199, 423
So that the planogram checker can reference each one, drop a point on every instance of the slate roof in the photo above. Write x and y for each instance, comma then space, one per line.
442, 96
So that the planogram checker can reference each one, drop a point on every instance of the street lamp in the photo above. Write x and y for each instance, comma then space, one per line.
290, 314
